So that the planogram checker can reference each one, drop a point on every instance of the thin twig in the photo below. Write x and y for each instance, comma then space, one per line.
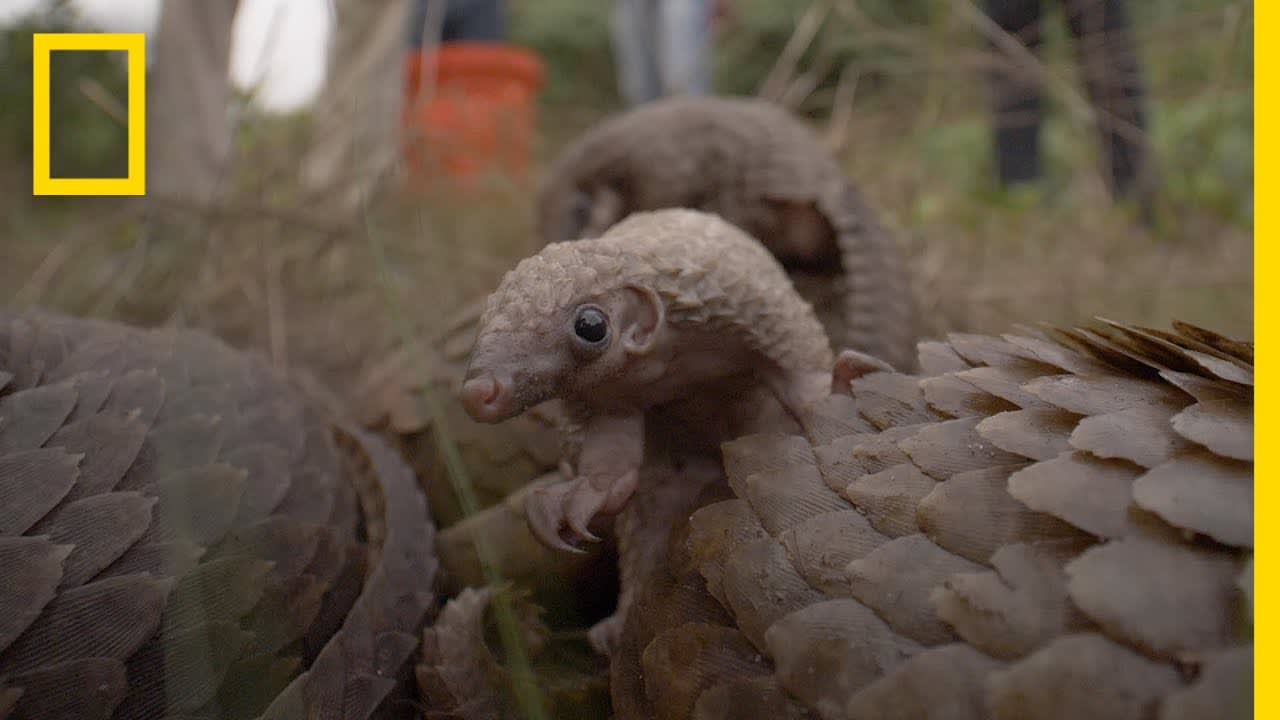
100, 96
1027, 60
837, 136
803, 86
241, 210
34, 289
277, 331
784, 68
123, 279
432, 36
528, 694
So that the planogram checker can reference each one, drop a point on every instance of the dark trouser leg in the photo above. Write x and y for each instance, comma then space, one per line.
464, 20
1109, 59
475, 21
1016, 99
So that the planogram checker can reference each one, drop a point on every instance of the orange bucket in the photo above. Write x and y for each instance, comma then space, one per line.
478, 116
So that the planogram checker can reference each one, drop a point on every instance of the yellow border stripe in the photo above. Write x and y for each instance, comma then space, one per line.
1266, 65
135, 47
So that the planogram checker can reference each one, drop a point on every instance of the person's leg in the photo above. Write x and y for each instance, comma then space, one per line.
632, 31
1016, 95
475, 21
1113, 78
683, 54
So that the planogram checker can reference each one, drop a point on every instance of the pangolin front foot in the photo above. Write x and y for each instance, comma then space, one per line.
567, 508
605, 635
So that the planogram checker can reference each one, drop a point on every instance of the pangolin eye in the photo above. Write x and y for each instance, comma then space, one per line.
591, 325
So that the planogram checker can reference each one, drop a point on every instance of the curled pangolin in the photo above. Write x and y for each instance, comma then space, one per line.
185, 534
1053, 523
762, 169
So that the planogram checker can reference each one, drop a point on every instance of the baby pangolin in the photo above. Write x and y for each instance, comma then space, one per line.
672, 314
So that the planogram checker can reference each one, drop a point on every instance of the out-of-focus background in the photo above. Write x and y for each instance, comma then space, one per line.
305, 233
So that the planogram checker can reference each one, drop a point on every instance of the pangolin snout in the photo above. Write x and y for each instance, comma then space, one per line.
486, 397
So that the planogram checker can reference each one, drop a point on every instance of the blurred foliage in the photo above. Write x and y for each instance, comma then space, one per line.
86, 141
1207, 154
742, 63
573, 39
88, 114
1201, 99
1197, 58
918, 142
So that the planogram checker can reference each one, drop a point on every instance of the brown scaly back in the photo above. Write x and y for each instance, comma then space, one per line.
183, 533
1052, 523
760, 168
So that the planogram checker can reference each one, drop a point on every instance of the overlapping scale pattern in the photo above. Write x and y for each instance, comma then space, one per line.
1055, 523
183, 534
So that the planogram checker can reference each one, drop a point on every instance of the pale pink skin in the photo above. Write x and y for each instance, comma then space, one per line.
851, 365
647, 363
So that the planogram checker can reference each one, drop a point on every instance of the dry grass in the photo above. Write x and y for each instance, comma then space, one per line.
266, 272
1062, 256
309, 295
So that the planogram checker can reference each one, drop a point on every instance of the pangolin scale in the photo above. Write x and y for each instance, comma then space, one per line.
183, 533
1052, 523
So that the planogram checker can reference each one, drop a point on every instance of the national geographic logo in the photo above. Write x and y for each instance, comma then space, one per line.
134, 46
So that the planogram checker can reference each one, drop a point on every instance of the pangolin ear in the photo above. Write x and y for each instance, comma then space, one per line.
640, 320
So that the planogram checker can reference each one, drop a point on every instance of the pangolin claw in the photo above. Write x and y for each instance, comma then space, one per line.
851, 365
543, 512
572, 505
578, 524
582, 505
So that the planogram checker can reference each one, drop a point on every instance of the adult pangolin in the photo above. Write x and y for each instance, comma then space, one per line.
185, 533
760, 168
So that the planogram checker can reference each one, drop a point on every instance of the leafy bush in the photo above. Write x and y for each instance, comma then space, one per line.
86, 141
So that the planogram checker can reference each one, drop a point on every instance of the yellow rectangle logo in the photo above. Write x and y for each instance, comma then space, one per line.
134, 46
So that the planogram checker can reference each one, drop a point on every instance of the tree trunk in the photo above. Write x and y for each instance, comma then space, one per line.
188, 91
356, 138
